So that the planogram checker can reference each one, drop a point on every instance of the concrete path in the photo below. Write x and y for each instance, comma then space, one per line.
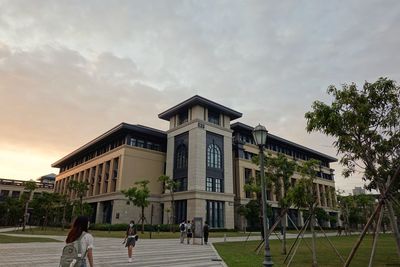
111, 252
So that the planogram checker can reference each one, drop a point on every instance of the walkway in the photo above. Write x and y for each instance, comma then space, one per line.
111, 252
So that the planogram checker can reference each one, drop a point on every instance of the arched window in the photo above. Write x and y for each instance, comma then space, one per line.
214, 156
181, 157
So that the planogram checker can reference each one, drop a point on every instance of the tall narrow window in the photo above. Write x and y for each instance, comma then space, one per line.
181, 157
214, 156
215, 213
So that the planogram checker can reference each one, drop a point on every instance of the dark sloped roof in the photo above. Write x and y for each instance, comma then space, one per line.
198, 100
241, 126
117, 129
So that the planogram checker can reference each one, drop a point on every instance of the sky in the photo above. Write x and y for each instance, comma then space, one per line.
71, 70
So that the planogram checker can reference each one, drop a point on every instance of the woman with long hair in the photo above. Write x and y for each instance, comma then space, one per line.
130, 239
79, 230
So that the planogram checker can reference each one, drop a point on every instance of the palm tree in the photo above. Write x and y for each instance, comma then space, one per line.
30, 186
138, 196
171, 185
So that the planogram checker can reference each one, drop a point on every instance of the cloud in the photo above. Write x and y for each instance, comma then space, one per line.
97, 63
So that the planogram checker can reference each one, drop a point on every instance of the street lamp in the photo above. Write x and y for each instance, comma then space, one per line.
260, 137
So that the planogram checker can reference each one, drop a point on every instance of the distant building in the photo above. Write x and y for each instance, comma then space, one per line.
47, 179
358, 191
15, 188
202, 150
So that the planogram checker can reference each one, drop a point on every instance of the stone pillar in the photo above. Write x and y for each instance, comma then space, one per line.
99, 213
318, 195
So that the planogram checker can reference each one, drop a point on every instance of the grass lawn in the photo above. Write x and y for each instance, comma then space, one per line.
16, 239
241, 254
121, 234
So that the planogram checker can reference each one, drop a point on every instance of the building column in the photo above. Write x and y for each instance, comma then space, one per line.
318, 195
99, 213
301, 219
324, 201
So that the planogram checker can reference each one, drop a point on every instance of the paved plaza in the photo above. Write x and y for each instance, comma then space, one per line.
111, 252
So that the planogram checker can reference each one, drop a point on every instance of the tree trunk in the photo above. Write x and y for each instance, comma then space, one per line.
142, 220
63, 218
25, 217
313, 245
283, 223
81, 204
394, 225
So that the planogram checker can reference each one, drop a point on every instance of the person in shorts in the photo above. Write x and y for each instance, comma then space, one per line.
189, 233
130, 239
182, 229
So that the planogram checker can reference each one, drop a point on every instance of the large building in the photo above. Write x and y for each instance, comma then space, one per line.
209, 156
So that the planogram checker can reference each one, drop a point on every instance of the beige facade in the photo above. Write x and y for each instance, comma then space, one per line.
199, 150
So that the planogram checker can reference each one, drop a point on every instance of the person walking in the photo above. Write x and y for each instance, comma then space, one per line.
189, 232
182, 229
206, 229
130, 239
79, 231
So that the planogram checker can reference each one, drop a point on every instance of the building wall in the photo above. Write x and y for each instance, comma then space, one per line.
326, 198
196, 195
135, 164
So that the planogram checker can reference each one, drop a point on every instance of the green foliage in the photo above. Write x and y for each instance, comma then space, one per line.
303, 195
139, 197
30, 186
251, 211
365, 123
279, 171
14, 210
168, 183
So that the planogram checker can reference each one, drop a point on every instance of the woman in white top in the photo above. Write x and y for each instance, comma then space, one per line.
80, 228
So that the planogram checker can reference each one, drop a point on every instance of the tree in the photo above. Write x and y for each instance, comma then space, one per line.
138, 196
30, 186
304, 195
280, 171
79, 188
346, 203
365, 124
171, 185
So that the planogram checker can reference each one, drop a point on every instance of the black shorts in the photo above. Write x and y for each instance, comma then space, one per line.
189, 234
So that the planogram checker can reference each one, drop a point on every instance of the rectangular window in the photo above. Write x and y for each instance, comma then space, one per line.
140, 143
247, 178
183, 184
182, 117
133, 142
180, 211
209, 184
215, 213
214, 185
213, 117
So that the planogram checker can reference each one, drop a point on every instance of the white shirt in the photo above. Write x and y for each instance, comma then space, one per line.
87, 242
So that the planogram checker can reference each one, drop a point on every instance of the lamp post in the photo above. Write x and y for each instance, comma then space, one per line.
260, 137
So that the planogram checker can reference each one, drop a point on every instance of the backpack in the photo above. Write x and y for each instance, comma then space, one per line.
72, 254
182, 227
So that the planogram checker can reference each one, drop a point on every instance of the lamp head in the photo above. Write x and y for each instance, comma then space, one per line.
260, 135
